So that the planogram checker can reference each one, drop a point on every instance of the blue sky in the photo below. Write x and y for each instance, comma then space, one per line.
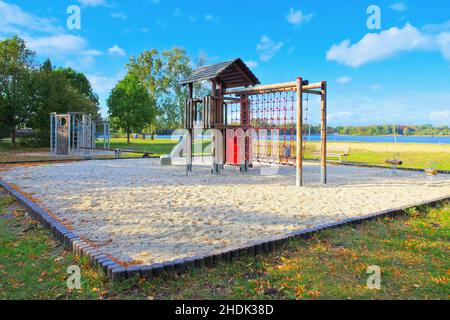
400, 73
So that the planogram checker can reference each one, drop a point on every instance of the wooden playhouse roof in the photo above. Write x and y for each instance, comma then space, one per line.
232, 74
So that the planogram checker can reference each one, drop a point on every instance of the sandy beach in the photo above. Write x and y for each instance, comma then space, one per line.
137, 211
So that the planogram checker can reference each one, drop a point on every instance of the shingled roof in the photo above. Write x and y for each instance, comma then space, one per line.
232, 74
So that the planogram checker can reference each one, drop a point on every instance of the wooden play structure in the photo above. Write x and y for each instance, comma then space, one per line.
249, 123
76, 133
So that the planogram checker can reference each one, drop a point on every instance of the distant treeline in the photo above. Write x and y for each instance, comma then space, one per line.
374, 130
406, 130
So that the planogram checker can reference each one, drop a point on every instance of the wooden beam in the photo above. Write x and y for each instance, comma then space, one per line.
274, 87
239, 69
317, 85
262, 88
312, 92
299, 142
189, 153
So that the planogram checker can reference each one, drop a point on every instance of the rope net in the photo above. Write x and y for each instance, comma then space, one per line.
272, 118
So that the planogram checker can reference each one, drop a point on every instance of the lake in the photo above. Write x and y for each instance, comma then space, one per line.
386, 139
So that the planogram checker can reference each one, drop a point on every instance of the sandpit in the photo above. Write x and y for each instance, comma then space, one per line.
139, 212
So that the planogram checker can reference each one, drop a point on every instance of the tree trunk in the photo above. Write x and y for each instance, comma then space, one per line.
13, 138
128, 136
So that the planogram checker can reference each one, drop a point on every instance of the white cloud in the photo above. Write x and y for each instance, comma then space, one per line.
116, 50
103, 85
93, 53
339, 116
57, 44
443, 41
45, 36
298, 17
92, 3
14, 20
251, 64
398, 6
343, 80
210, 17
440, 116
267, 48
376, 87
119, 15
387, 43
437, 28
406, 107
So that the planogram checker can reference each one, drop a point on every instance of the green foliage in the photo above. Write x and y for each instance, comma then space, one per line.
16, 65
61, 91
28, 94
418, 130
130, 105
161, 74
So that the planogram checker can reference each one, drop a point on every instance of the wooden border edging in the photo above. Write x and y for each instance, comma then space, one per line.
116, 272
54, 161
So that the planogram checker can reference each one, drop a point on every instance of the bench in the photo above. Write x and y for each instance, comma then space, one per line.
119, 152
338, 152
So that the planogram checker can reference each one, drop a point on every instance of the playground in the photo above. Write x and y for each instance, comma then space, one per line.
244, 181
140, 212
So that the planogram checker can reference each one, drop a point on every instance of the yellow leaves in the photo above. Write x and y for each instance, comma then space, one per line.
300, 291
95, 290
314, 294
444, 280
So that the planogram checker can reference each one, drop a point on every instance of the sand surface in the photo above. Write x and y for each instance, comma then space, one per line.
138, 211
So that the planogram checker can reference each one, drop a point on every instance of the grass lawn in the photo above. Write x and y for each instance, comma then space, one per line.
413, 155
412, 251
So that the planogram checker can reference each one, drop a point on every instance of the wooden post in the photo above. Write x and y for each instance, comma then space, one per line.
323, 170
190, 141
299, 147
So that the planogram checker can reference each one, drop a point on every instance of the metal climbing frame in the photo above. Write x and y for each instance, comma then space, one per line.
80, 135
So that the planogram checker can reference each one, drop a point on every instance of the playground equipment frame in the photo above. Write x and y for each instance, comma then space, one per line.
233, 83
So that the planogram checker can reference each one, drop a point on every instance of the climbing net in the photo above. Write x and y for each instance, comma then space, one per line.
272, 118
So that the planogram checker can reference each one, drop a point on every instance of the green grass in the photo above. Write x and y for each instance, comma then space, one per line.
158, 147
413, 155
412, 251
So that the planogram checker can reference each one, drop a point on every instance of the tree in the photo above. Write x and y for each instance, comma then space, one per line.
54, 90
131, 105
16, 64
161, 74
80, 82
406, 131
